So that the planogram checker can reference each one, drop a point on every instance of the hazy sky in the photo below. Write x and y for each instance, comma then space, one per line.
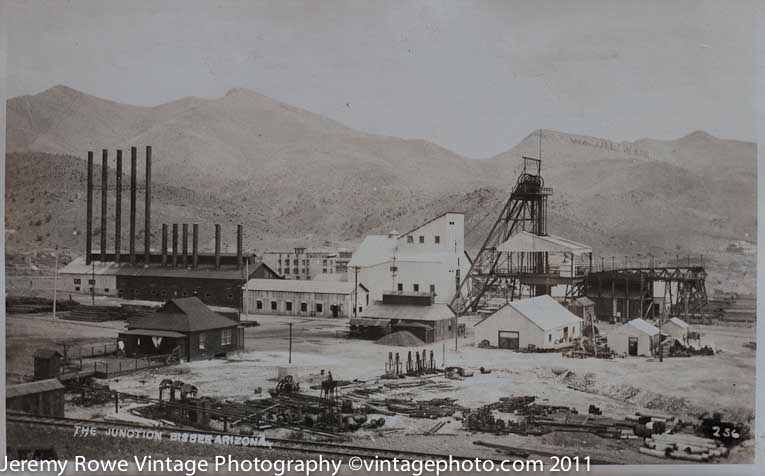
475, 77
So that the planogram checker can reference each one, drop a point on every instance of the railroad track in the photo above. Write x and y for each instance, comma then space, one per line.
314, 447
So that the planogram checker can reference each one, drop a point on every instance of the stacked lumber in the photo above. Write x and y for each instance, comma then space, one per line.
683, 446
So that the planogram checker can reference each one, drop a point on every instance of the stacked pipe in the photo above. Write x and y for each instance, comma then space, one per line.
104, 190
133, 187
147, 213
89, 212
175, 245
185, 241
217, 246
195, 246
164, 244
118, 209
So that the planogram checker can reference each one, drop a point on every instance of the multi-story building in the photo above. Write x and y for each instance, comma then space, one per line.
429, 259
301, 263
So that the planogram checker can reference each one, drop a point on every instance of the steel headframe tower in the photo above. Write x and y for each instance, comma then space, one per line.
525, 209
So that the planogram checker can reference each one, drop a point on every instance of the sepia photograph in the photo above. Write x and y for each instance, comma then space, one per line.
358, 237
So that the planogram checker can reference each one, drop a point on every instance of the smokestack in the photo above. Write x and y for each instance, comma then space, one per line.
175, 245
239, 246
132, 203
164, 244
147, 213
217, 246
195, 246
89, 211
185, 241
118, 209
104, 187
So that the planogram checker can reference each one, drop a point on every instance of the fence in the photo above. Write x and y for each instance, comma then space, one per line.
95, 350
113, 368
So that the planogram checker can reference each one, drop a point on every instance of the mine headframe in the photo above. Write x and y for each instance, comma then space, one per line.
525, 209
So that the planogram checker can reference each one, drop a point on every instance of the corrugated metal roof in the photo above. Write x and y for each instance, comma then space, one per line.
679, 322
523, 241
31, 388
152, 333
300, 286
228, 272
584, 301
369, 322
434, 312
643, 326
182, 315
544, 311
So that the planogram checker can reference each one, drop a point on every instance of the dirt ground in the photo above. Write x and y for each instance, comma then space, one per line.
684, 387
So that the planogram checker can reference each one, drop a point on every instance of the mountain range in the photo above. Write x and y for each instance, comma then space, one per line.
295, 177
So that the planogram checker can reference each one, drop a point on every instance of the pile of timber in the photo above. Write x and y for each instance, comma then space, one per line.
683, 446
435, 408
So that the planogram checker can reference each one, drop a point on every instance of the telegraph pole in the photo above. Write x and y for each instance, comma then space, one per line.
93, 283
290, 355
55, 282
355, 291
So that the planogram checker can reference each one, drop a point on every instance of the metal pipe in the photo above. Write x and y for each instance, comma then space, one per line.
175, 245
239, 237
195, 246
132, 203
89, 211
217, 246
104, 190
164, 244
185, 241
147, 213
118, 209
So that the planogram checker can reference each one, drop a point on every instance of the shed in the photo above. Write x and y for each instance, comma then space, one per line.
539, 322
185, 325
676, 328
41, 397
414, 312
47, 364
636, 337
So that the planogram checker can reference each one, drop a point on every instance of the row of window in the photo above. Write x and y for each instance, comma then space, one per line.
225, 338
288, 306
301, 271
306, 262
410, 239
416, 287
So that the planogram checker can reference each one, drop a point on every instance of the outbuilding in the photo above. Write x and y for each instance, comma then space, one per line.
41, 397
635, 338
185, 326
676, 328
535, 323
406, 311
288, 297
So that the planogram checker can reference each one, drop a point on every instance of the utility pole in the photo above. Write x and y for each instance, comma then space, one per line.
290, 355
355, 291
55, 282
93, 283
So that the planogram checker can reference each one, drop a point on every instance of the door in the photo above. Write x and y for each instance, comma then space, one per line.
632, 346
509, 340
335, 310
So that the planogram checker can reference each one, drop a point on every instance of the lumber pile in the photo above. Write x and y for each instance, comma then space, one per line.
683, 446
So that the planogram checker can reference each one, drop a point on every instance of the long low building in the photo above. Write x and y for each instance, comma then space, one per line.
304, 298
219, 286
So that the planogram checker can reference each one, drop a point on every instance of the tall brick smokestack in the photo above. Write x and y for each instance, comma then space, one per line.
175, 245
217, 246
164, 244
133, 187
185, 244
195, 246
239, 238
104, 191
118, 209
147, 213
89, 211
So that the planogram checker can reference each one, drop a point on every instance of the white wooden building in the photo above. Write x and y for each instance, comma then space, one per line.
540, 322
429, 259
676, 328
303, 298
634, 338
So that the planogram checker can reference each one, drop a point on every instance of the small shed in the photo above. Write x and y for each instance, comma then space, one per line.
186, 326
41, 397
539, 322
676, 328
636, 337
47, 364
583, 307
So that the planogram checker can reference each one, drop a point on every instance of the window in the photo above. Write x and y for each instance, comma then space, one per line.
295, 262
106, 290
549, 337
422, 239
77, 281
451, 223
319, 308
259, 304
162, 293
410, 239
400, 286
91, 281
201, 341
361, 308
295, 270
279, 270
433, 289
273, 305
76, 288
297, 277
153, 292
438, 239
303, 307
324, 270
288, 306
286, 271
416, 287
225, 337
324, 263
